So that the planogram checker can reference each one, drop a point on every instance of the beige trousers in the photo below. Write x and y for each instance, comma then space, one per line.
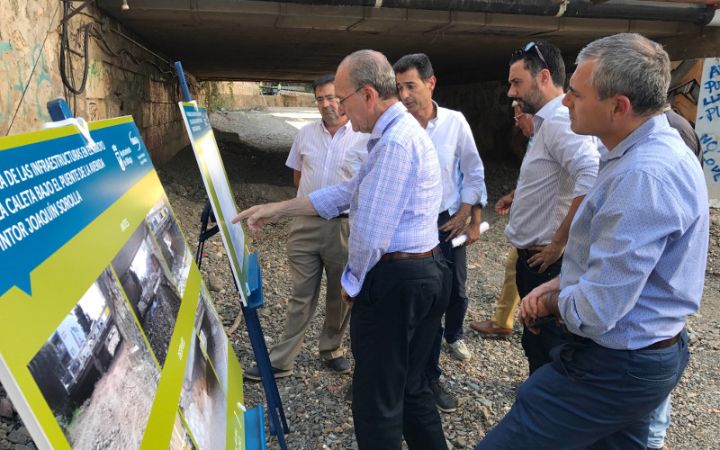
314, 244
509, 299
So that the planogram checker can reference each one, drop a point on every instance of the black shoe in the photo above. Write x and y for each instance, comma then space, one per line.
445, 401
253, 373
338, 365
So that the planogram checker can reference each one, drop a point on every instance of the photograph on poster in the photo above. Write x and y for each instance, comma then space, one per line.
180, 438
146, 280
96, 372
172, 244
202, 400
212, 337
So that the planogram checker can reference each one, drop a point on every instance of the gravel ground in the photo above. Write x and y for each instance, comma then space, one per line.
313, 397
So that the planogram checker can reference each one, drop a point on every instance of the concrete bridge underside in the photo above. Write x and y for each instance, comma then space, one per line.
466, 40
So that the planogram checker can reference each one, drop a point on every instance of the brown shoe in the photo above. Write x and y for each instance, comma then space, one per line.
488, 328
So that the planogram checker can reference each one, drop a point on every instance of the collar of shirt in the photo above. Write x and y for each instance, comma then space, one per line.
547, 111
384, 121
439, 116
656, 122
343, 129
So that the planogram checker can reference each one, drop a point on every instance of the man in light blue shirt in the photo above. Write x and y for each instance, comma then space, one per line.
633, 268
464, 195
396, 277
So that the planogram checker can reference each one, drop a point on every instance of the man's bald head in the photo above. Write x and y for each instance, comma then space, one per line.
368, 67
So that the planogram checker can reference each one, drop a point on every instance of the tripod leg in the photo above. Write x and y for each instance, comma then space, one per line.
278, 423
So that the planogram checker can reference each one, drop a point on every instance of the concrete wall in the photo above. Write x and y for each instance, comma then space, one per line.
487, 109
123, 78
246, 95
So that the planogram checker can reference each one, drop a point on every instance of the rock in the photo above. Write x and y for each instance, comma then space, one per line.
19, 436
6, 408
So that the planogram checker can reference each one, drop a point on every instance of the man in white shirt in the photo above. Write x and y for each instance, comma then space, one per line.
324, 153
464, 195
558, 170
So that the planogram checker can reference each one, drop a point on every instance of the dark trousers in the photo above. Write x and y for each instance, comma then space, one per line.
537, 346
394, 320
458, 304
590, 397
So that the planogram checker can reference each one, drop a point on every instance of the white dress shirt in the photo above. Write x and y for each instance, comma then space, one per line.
463, 174
324, 160
559, 165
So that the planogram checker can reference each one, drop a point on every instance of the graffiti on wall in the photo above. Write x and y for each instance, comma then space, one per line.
707, 126
27, 83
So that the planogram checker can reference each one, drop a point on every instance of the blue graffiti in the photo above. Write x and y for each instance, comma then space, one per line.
710, 157
714, 70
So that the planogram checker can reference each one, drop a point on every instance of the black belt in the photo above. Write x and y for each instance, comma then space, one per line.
343, 216
526, 253
396, 256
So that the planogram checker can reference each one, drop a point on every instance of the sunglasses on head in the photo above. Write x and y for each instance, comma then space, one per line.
528, 47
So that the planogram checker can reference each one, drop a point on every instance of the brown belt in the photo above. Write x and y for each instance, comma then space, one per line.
396, 256
664, 343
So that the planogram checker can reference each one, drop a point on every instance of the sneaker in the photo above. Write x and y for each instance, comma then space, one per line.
338, 365
253, 373
445, 401
459, 350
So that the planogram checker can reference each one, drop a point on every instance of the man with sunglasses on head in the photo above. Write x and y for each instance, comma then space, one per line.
559, 167
396, 277
464, 195
634, 266
323, 153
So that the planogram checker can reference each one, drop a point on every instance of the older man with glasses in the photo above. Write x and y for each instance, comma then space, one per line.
323, 153
558, 169
396, 277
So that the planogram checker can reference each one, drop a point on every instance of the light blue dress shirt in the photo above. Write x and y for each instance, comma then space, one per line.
394, 199
634, 266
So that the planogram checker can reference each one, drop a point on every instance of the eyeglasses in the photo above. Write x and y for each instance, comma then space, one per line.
329, 98
340, 101
529, 46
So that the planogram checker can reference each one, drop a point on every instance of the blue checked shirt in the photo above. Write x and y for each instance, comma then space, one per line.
634, 266
394, 199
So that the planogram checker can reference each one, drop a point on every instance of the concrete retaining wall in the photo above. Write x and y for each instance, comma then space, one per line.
123, 77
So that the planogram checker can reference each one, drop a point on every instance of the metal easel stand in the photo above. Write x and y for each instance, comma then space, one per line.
277, 425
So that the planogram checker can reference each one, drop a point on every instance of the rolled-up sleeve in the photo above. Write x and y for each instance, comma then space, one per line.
331, 201
578, 154
473, 189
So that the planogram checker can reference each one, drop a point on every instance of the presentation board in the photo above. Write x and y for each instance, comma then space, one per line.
108, 336
218, 189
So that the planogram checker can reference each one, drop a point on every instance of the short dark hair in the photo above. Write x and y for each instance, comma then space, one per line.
551, 55
417, 61
328, 78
